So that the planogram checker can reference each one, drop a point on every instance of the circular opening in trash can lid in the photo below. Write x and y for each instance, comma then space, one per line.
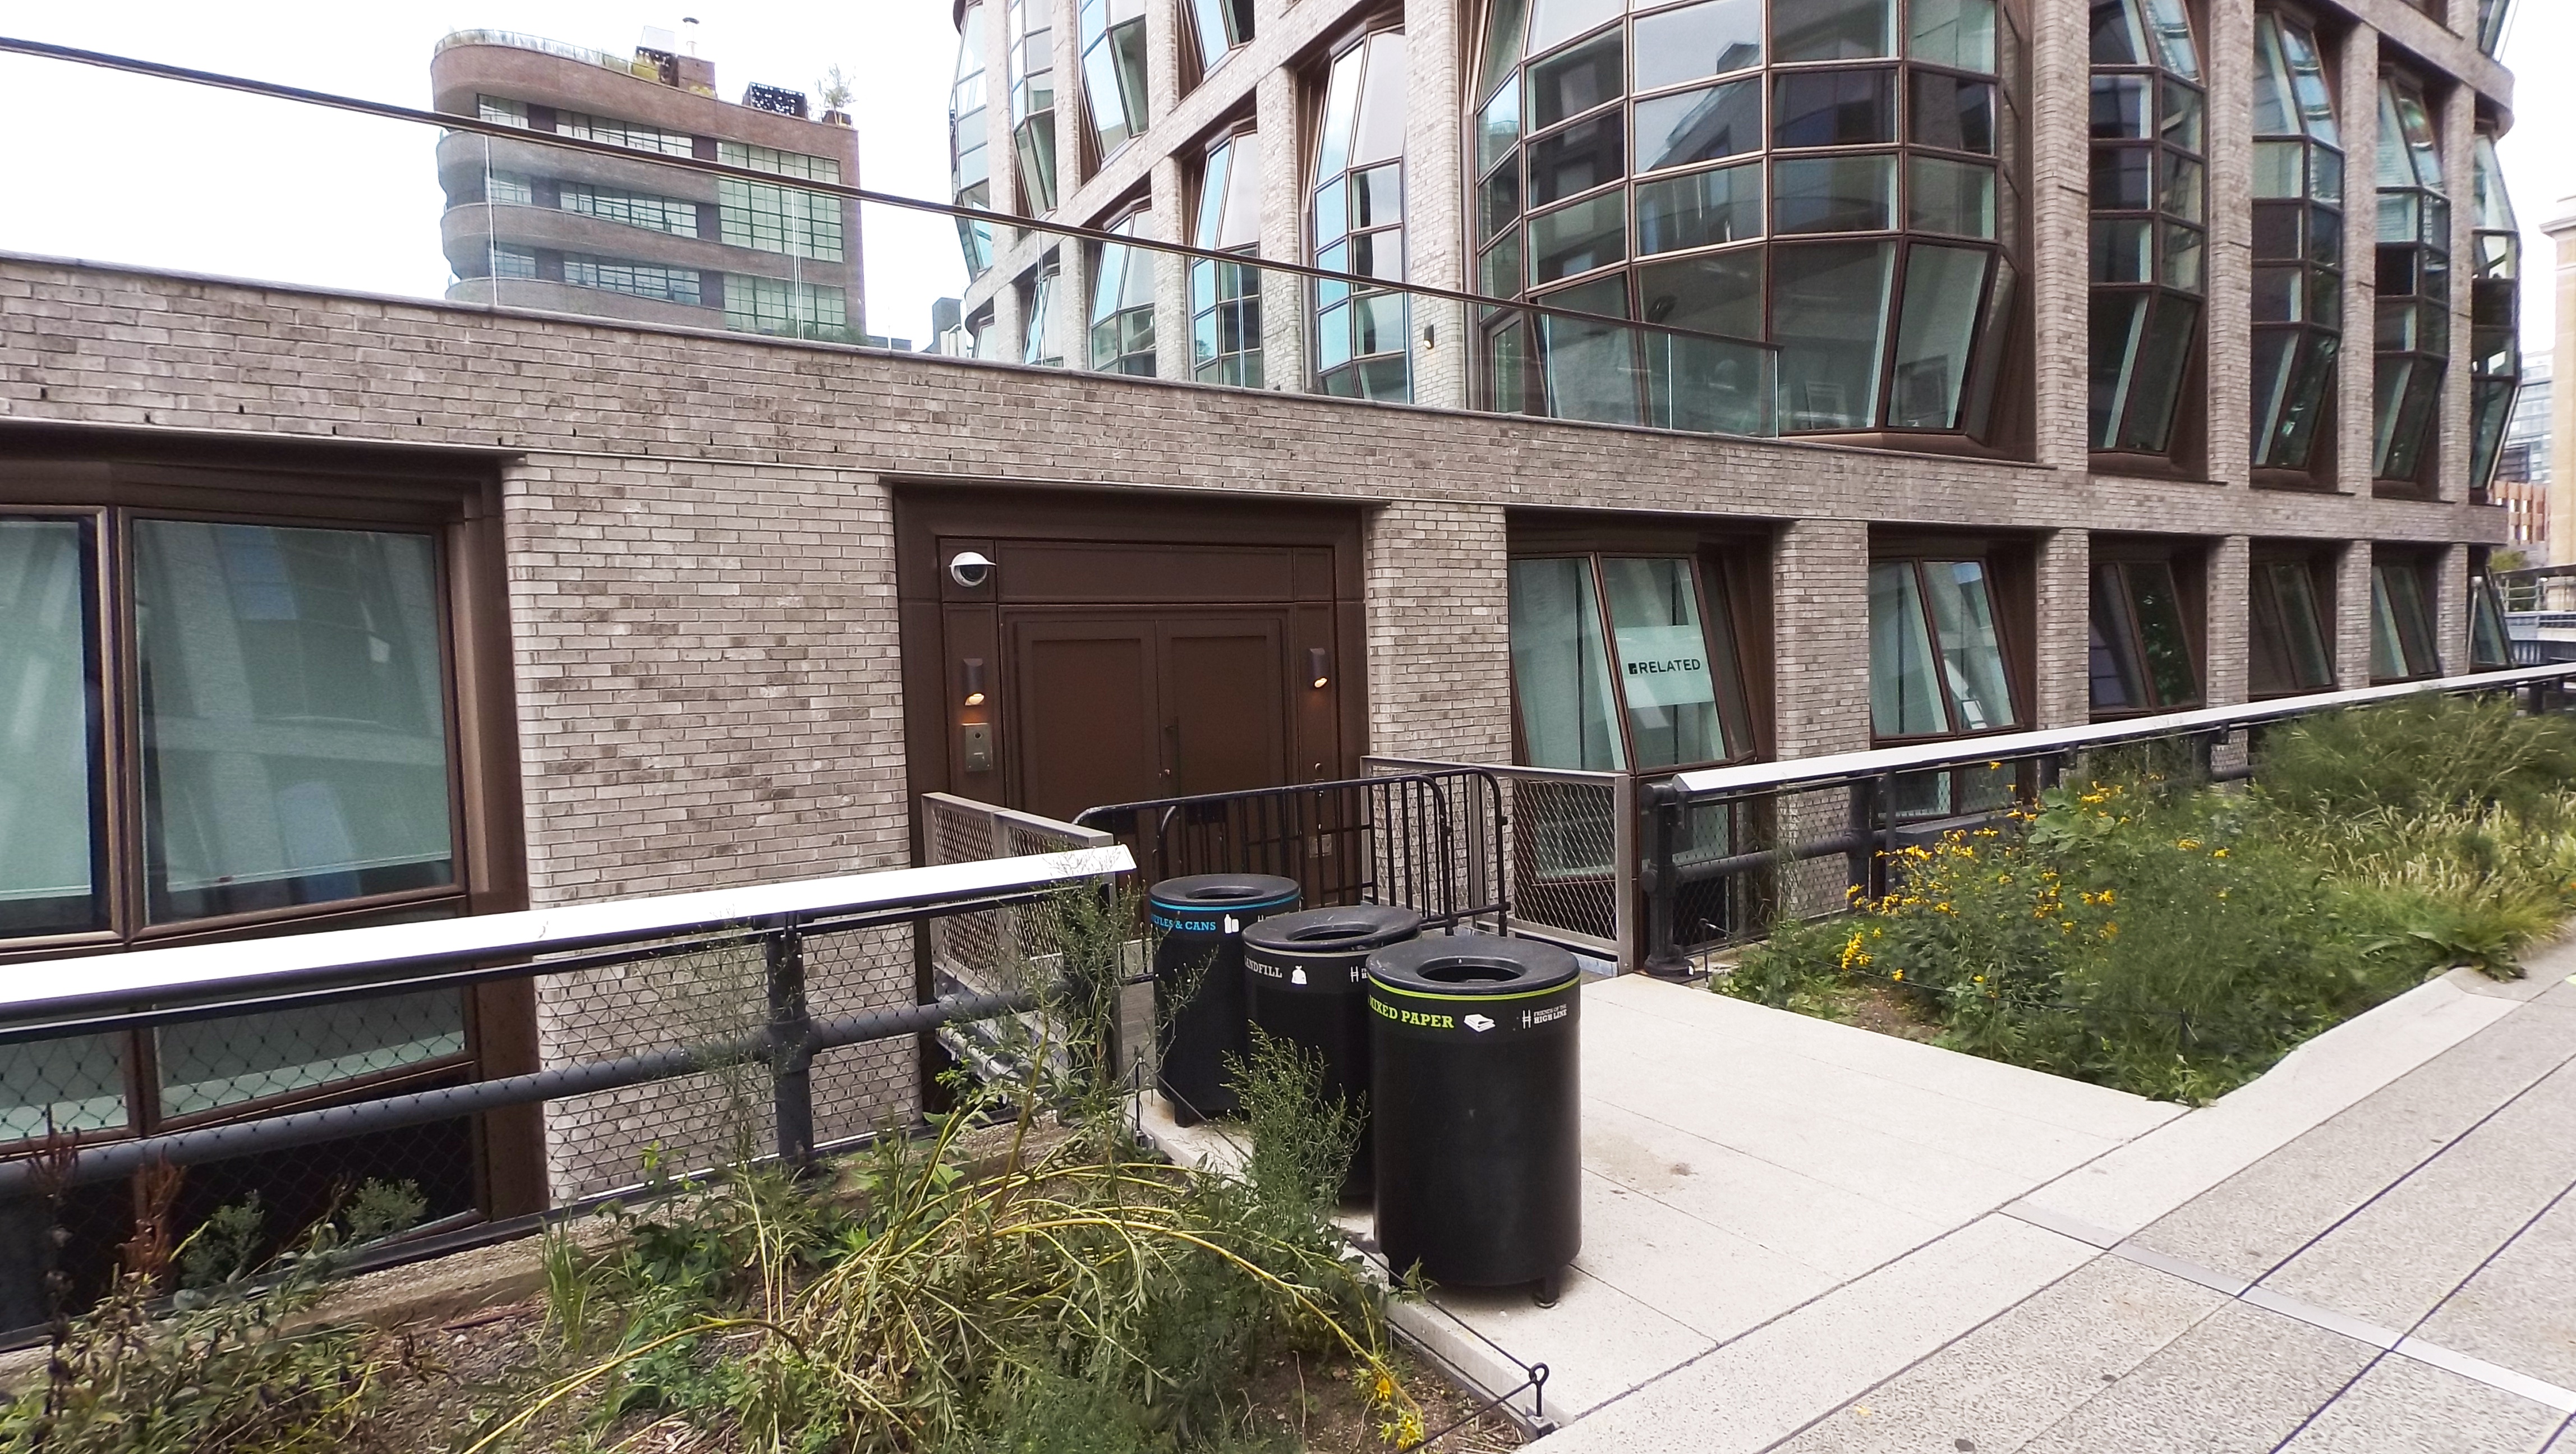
1342, 930
1225, 891
1473, 964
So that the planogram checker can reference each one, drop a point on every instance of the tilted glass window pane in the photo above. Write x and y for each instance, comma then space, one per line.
1667, 676
1832, 30
50, 786
1833, 194
1936, 335
206, 1064
1590, 367
1498, 129
2489, 645
1341, 112
1038, 333
1956, 33
1578, 238
1380, 134
2158, 605
1699, 126
1572, 82
2387, 646
1506, 21
1828, 314
1954, 114
2411, 609
1561, 669
2118, 686
1707, 39
1972, 650
1904, 697
1577, 159
1953, 197
1833, 108
1553, 22
1701, 209
293, 716
2303, 626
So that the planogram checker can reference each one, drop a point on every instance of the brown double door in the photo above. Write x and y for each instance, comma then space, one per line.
1119, 708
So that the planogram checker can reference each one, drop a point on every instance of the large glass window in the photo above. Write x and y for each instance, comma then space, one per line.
2290, 600
1113, 71
2490, 644
2150, 210
783, 308
1221, 25
2298, 243
1029, 38
2495, 314
292, 719
1355, 217
1623, 661
1225, 297
636, 280
51, 810
1633, 162
2414, 284
2142, 655
1122, 302
2401, 621
1938, 665
970, 172
779, 219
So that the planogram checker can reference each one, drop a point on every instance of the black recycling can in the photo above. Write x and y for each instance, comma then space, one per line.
1476, 1102
1305, 977
1198, 981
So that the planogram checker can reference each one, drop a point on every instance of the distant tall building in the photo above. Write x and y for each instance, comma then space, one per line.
2562, 402
540, 227
2522, 469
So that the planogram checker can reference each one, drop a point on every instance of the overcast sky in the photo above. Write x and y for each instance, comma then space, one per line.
127, 170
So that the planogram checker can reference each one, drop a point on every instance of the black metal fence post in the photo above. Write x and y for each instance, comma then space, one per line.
1856, 862
1664, 958
791, 1046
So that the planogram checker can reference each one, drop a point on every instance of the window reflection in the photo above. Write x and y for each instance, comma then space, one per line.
2414, 284
1623, 661
1029, 41
50, 791
2495, 314
2401, 622
1604, 139
1561, 669
2142, 657
1356, 220
1225, 297
1937, 664
1122, 302
970, 173
1113, 71
2148, 206
2289, 607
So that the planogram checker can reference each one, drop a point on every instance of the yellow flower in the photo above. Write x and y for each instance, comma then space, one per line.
2187, 845
1898, 976
1977, 979
2111, 930
2218, 853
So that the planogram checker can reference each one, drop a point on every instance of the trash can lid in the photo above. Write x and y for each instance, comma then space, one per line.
1473, 965
1224, 892
1345, 930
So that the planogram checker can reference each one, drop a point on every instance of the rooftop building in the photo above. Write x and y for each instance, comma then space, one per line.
540, 227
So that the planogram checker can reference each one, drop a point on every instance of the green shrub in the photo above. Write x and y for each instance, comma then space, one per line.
2418, 755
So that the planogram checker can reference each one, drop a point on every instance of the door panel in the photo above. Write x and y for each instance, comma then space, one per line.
1224, 682
1085, 713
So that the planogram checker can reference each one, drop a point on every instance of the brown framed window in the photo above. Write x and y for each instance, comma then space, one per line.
1122, 299
2149, 243
1225, 297
1940, 656
2414, 286
1355, 222
2298, 250
1625, 662
2144, 647
2402, 606
2490, 643
2290, 601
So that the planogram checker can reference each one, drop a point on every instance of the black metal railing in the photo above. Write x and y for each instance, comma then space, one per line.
761, 993
1728, 851
1424, 840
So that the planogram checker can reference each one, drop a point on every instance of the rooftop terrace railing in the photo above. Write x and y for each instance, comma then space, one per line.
1729, 851
762, 993
519, 40
551, 222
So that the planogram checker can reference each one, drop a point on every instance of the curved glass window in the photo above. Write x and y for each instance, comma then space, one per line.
1222, 25
1225, 298
970, 175
2150, 207
1030, 38
1841, 177
2491, 17
2495, 314
2298, 243
1355, 215
1122, 302
2414, 284
1113, 71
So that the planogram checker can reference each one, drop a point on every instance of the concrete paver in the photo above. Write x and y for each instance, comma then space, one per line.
2520, 1309
2007, 1382
2240, 1382
2396, 1259
1699, 1275
2402, 1404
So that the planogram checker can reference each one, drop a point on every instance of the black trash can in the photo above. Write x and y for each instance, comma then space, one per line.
1198, 981
1476, 1100
1305, 977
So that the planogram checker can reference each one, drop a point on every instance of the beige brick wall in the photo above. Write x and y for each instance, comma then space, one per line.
1439, 619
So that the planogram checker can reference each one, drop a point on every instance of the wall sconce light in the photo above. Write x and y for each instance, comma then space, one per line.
1430, 336
1319, 665
974, 681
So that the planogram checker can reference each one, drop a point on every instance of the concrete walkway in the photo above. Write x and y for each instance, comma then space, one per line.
1800, 1235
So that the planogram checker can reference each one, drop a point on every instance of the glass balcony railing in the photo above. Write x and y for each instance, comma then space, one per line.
524, 206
